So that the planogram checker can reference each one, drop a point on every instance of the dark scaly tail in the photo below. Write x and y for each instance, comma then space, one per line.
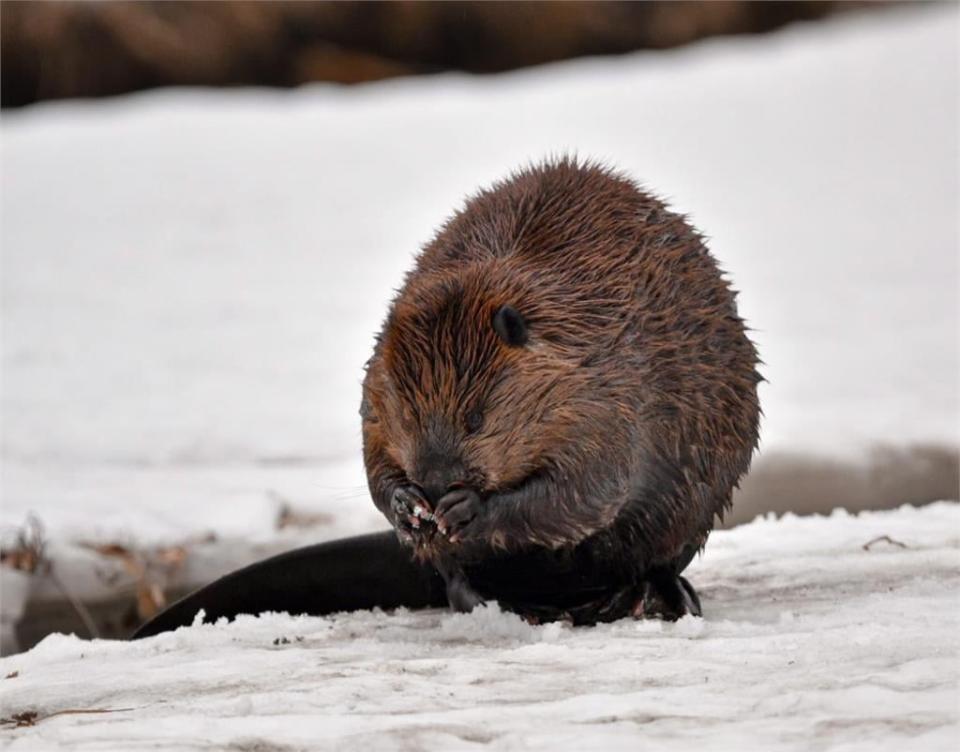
343, 575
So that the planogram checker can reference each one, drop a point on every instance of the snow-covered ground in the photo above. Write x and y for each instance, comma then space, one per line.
190, 286
809, 642
191, 280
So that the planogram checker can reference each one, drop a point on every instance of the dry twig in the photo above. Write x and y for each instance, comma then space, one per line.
883, 539
32, 717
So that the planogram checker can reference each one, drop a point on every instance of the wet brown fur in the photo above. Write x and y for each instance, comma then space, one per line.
619, 431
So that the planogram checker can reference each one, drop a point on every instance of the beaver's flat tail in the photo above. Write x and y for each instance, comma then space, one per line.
351, 574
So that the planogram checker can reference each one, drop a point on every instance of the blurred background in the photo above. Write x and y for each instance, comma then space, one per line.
53, 50
206, 207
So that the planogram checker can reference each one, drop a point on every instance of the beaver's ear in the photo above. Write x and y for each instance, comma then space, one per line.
510, 326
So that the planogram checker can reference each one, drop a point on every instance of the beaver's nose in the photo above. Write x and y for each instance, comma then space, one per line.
440, 480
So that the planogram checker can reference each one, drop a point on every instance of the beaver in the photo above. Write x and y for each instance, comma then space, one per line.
562, 386
557, 409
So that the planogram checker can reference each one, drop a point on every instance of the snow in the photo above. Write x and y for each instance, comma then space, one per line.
809, 641
191, 282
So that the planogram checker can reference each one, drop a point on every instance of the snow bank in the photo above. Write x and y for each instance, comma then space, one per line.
810, 641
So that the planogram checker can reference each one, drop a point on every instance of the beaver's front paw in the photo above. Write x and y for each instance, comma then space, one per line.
455, 511
412, 515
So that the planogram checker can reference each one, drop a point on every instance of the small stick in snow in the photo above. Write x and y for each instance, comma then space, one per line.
32, 717
19, 720
884, 539
76, 605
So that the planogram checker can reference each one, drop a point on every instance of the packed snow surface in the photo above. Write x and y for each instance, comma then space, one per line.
192, 279
810, 641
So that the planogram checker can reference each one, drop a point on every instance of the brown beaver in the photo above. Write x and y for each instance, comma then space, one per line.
562, 399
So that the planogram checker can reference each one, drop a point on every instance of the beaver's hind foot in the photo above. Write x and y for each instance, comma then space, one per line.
666, 595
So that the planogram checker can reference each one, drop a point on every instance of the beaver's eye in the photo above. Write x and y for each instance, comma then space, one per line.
474, 421
366, 411
510, 326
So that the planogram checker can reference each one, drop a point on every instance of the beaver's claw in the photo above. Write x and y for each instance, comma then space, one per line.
455, 511
411, 512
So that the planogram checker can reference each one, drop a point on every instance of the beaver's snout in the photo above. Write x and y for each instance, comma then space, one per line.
440, 480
